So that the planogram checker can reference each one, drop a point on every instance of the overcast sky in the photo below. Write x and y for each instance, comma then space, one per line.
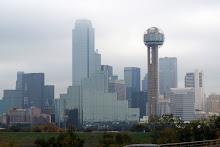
35, 36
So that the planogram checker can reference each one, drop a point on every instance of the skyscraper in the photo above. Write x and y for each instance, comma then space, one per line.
85, 60
33, 90
153, 39
132, 80
196, 80
167, 74
19, 80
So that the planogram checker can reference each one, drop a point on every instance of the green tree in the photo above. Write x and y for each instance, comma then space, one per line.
168, 135
106, 140
122, 138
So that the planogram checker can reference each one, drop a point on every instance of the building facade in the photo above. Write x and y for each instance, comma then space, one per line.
117, 86
109, 69
213, 103
18, 116
33, 90
164, 106
139, 100
196, 80
85, 60
167, 74
132, 81
4, 105
182, 103
15, 96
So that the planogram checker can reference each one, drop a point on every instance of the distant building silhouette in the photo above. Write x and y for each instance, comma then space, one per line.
85, 60
139, 100
196, 80
167, 74
33, 90
132, 81
117, 86
109, 69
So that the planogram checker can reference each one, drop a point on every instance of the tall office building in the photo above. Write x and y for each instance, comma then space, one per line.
109, 69
132, 80
88, 97
139, 100
33, 90
117, 86
144, 83
15, 96
48, 95
153, 39
196, 80
182, 103
85, 60
167, 74
19, 80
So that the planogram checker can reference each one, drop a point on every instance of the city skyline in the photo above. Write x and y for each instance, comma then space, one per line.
36, 30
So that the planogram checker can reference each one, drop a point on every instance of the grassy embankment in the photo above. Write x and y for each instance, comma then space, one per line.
91, 138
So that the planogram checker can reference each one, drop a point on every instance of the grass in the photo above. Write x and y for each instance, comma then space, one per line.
26, 139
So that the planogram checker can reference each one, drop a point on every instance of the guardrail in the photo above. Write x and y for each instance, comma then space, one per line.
213, 143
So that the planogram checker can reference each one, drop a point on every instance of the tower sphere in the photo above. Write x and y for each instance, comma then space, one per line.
153, 37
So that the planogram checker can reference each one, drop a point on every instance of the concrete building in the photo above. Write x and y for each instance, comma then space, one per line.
164, 106
117, 86
167, 74
153, 39
144, 83
109, 69
196, 80
18, 116
132, 80
182, 103
213, 103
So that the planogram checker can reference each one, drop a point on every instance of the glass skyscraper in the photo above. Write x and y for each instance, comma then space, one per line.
132, 80
85, 60
167, 74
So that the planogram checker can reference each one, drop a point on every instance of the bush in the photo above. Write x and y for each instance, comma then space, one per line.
68, 139
88, 130
50, 128
111, 140
8, 141
139, 128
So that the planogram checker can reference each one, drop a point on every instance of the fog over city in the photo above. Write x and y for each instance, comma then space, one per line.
36, 36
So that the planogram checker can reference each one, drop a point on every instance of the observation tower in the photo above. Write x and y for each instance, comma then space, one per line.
153, 39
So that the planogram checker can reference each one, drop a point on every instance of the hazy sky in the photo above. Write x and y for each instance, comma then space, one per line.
35, 36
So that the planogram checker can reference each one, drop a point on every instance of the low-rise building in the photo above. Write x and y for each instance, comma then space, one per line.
18, 116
